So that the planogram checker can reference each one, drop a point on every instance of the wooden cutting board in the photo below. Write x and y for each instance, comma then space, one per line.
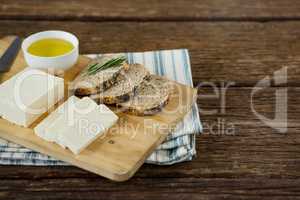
124, 148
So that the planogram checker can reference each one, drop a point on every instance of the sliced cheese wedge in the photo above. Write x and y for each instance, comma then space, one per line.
68, 118
76, 123
87, 127
40, 129
29, 94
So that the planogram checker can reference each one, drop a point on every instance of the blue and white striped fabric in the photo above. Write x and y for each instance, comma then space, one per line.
179, 146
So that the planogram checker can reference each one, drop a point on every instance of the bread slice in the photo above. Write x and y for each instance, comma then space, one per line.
85, 85
150, 97
124, 87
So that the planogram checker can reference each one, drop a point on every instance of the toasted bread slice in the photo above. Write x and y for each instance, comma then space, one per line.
150, 97
124, 87
85, 85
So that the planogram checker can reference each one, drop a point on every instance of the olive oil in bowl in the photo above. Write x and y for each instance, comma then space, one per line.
54, 49
50, 47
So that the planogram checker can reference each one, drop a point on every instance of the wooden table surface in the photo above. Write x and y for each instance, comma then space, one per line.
233, 44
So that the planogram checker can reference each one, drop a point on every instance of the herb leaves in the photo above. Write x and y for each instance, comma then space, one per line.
96, 67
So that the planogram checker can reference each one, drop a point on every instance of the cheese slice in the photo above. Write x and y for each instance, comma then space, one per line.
51, 135
77, 129
66, 119
55, 129
88, 127
29, 94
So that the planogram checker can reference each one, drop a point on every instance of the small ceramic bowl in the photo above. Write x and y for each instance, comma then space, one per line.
61, 62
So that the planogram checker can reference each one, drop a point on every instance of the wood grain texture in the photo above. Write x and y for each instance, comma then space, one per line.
155, 10
124, 147
242, 53
254, 162
229, 41
180, 188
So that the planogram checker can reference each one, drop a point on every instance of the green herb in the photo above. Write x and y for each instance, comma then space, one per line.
96, 67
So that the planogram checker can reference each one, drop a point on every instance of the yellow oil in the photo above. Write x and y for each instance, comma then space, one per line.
50, 47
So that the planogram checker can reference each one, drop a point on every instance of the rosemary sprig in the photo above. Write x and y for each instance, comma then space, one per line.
96, 67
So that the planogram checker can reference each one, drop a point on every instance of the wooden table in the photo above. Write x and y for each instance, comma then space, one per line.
233, 44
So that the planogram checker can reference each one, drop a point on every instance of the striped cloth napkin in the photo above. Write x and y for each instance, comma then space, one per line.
178, 147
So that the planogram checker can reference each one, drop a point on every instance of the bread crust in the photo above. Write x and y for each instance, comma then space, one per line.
85, 85
150, 97
125, 87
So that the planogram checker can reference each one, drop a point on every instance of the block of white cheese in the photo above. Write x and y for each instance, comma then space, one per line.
65, 119
90, 122
29, 94
48, 121
76, 123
